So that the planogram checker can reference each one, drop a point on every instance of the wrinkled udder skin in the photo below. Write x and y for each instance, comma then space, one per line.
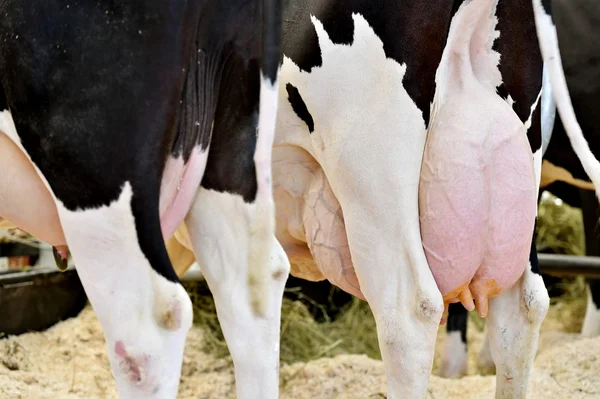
477, 200
310, 222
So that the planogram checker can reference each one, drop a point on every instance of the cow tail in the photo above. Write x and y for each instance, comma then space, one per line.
546, 31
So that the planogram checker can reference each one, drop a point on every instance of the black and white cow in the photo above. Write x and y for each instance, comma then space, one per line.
132, 115
579, 35
363, 87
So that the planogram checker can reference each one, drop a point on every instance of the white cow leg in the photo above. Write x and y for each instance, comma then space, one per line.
144, 316
219, 230
398, 285
515, 317
591, 322
407, 309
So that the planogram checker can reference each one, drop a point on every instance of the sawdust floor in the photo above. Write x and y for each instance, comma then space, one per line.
69, 361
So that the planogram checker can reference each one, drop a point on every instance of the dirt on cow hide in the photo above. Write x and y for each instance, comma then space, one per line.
69, 361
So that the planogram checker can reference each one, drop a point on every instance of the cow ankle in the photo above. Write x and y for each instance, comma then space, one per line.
430, 306
535, 299
172, 306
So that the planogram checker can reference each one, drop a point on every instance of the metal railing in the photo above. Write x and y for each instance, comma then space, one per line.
570, 265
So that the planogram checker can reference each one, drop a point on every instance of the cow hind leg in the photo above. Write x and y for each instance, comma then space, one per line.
454, 355
591, 322
232, 219
485, 361
514, 324
219, 229
145, 316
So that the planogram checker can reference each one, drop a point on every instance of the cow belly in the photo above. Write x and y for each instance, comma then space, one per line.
477, 201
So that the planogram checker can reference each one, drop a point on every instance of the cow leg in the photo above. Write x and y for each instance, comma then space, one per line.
145, 317
454, 357
591, 211
407, 307
514, 324
232, 220
485, 360
217, 224
591, 322
383, 235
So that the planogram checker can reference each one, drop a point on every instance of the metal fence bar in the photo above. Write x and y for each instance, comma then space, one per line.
555, 265
570, 265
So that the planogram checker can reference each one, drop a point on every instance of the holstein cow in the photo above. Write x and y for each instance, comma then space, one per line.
394, 110
562, 173
114, 114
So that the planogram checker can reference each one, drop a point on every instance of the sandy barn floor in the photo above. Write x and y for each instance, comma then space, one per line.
69, 361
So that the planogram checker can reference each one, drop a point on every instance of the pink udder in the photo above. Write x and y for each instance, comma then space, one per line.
477, 200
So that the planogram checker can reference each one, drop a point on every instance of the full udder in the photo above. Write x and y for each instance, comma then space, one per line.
477, 201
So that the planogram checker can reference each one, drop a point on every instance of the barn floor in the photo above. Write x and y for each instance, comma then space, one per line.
69, 361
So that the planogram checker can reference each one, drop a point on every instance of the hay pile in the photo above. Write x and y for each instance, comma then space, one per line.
560, 227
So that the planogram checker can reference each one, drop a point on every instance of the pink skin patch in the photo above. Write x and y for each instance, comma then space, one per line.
134, 369
178, 188
127, 364
62, 251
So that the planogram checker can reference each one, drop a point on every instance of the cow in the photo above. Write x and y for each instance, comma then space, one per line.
364, 97
361, 87
120, 120
563, 174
